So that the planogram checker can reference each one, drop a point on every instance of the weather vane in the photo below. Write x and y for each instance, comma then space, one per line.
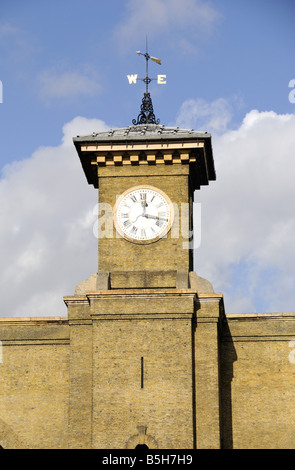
146, 115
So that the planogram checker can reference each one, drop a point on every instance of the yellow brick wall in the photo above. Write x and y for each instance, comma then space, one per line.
163, 405
34, 385
155, 326
258, 382
117, 254
146, 361
209, 380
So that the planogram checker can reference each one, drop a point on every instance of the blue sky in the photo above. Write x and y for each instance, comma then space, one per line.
63, 67
243, 51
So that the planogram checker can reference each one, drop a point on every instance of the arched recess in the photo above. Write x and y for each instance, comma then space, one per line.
8, 438
140, 439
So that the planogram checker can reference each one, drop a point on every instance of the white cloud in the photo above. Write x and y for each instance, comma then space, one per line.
198, 114
67, 84
17, 46
248, 223
157, 18
7, 29
46, 238
81, 126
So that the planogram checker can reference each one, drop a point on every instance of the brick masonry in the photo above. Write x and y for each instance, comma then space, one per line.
176, 374
147, 354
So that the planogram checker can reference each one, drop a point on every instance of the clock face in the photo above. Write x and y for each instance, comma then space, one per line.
143, 214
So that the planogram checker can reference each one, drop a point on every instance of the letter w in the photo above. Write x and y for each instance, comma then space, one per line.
132, 79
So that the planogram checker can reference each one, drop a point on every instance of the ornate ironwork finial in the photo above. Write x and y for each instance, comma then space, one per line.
147, 115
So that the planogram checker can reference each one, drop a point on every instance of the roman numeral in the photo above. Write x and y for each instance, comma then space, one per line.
159, 222
133, 198
127, 223
133, 230
143, 234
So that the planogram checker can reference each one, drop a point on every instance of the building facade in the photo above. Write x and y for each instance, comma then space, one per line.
147, 355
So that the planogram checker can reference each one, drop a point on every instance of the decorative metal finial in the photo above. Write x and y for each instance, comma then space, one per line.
147, 115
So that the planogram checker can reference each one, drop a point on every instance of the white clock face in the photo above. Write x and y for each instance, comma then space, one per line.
143, 214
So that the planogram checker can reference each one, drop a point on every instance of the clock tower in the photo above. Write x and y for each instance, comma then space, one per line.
145, 327
146, 357
146, 176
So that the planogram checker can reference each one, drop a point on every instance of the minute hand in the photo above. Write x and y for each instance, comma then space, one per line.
150, 216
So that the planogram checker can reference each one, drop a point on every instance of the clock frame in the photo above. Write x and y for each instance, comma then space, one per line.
143, 214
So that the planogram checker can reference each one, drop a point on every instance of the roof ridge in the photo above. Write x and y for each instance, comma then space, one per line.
140, 130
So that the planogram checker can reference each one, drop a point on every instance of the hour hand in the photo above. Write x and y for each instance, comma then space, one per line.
140, 215
133, 221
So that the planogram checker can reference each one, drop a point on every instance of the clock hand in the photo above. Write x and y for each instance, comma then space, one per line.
150, 216
144, 206
140, 215
132, 221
